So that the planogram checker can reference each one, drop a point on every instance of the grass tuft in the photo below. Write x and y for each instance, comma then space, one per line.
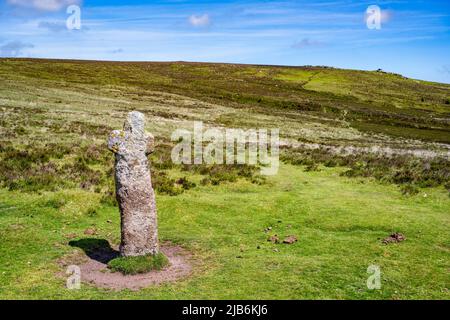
140, 264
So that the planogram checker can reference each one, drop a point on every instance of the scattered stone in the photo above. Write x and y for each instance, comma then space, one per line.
267, 229
394, 238
90, 231
135, 194
274, 239
290, 239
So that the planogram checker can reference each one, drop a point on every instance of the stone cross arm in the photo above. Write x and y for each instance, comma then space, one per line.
132, 139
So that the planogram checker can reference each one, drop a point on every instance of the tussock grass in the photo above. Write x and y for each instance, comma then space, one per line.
139, 264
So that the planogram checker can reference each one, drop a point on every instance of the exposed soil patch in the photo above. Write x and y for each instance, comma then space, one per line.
94, 269
394, 238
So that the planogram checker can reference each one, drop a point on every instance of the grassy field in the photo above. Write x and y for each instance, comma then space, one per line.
56, 178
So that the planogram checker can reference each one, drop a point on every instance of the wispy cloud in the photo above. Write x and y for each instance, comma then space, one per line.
200, 21
14, 49
115, 51
53, 26
305, 43
43, 5
445, 69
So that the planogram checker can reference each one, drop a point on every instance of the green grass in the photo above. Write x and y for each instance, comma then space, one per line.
339, 222
140, 264
56, 179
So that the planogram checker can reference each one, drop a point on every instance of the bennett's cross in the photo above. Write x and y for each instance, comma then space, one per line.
134, 191
132, 140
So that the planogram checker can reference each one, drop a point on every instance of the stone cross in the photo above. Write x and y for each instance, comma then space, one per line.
134, 191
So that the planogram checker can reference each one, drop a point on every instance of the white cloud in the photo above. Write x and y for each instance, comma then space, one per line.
200, 21
386, 15
43, 5
14, 49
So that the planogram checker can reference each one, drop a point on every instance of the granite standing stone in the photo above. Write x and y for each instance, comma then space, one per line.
134, 191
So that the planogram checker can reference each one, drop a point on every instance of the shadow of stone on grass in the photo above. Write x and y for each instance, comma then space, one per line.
96, 249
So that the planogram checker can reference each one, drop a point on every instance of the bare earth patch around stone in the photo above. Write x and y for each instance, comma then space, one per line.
95, 270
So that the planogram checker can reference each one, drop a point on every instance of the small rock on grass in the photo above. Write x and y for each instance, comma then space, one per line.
290, 240
274, 239
394, 238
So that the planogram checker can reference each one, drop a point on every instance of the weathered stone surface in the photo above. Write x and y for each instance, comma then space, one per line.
134, 192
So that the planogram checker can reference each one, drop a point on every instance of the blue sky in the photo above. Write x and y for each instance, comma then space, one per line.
414, 38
